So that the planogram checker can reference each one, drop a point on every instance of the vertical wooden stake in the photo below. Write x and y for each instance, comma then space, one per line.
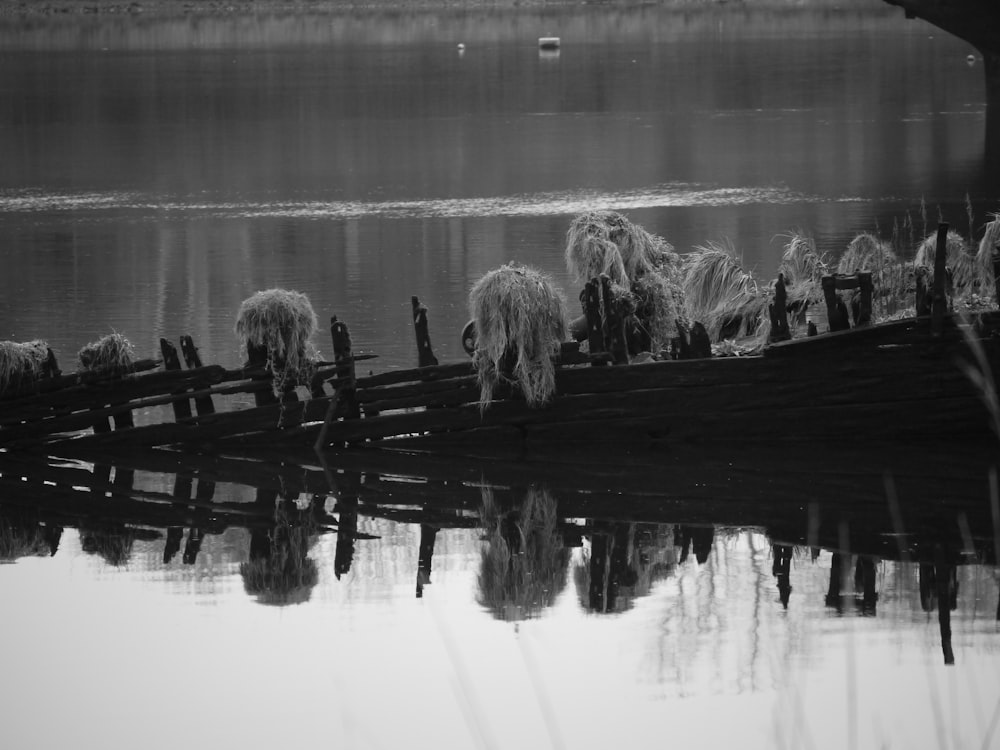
345, 401
595, 323
996, 274
203, 404
866, 290
182, 407
425, 355
615, 323
836, 312
939, 300
778, 312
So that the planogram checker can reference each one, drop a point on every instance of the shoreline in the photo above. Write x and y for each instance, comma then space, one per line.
174, 8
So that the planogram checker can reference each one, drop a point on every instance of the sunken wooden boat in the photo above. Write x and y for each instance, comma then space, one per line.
928, 377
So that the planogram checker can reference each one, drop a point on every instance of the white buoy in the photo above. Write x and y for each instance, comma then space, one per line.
461, 47
548, 42
970, 60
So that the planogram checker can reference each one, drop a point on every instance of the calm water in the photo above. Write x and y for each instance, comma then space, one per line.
156, 173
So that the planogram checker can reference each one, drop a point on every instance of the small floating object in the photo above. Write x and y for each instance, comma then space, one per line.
970, 60
461, 47
548, 42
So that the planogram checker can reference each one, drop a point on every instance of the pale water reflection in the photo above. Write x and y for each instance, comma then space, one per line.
444, 614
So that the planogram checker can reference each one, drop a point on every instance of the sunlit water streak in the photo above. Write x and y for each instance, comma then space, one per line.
669, 195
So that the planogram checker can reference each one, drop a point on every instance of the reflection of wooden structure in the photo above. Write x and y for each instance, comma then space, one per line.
942, 520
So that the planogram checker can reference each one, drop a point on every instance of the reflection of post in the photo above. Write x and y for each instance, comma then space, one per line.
193, 546
609, 567
428, 534
699, 538
864, 580
54, 533
347, 528
781, 570
602, 594
947, 596
173, 544
836, 581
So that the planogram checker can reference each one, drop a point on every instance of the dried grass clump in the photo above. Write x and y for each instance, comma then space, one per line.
866, 252
285, 574
283, 323
720, 294
984, 256
803, 268
520, 322
110, 354
659, 307
21, 363
587, 247
965, 271
523, 561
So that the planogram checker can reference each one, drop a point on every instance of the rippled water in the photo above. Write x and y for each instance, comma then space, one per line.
158, 172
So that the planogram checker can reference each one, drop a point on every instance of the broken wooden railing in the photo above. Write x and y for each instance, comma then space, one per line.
58, 408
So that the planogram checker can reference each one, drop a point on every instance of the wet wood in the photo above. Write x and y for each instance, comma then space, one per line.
939, 299
836, 311
181, 406
203, 404
778, 312
614, 320
425, 355
593, 311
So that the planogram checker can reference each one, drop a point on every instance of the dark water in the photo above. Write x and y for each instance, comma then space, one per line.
155, 173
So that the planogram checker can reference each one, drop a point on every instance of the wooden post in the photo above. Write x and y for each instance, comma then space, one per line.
595, 324
865, 292
257, 357
615, 323
203, 404
701, 343
939, 300
944, 573
345, 401
182, 407
922, 295
778, 312
995, 257
425, 355
50, 368
836, 312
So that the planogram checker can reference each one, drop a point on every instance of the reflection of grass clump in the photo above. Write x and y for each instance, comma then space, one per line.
284, 574
520, 323
19, 540
113, 545
111, 354
282, 323
21, 362
523, 560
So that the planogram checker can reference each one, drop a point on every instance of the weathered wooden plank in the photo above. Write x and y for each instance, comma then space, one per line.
63, 382
203, 404
425, 355
181, 406
198, 429
939, 298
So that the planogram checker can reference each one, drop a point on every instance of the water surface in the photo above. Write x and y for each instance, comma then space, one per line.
157, 172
